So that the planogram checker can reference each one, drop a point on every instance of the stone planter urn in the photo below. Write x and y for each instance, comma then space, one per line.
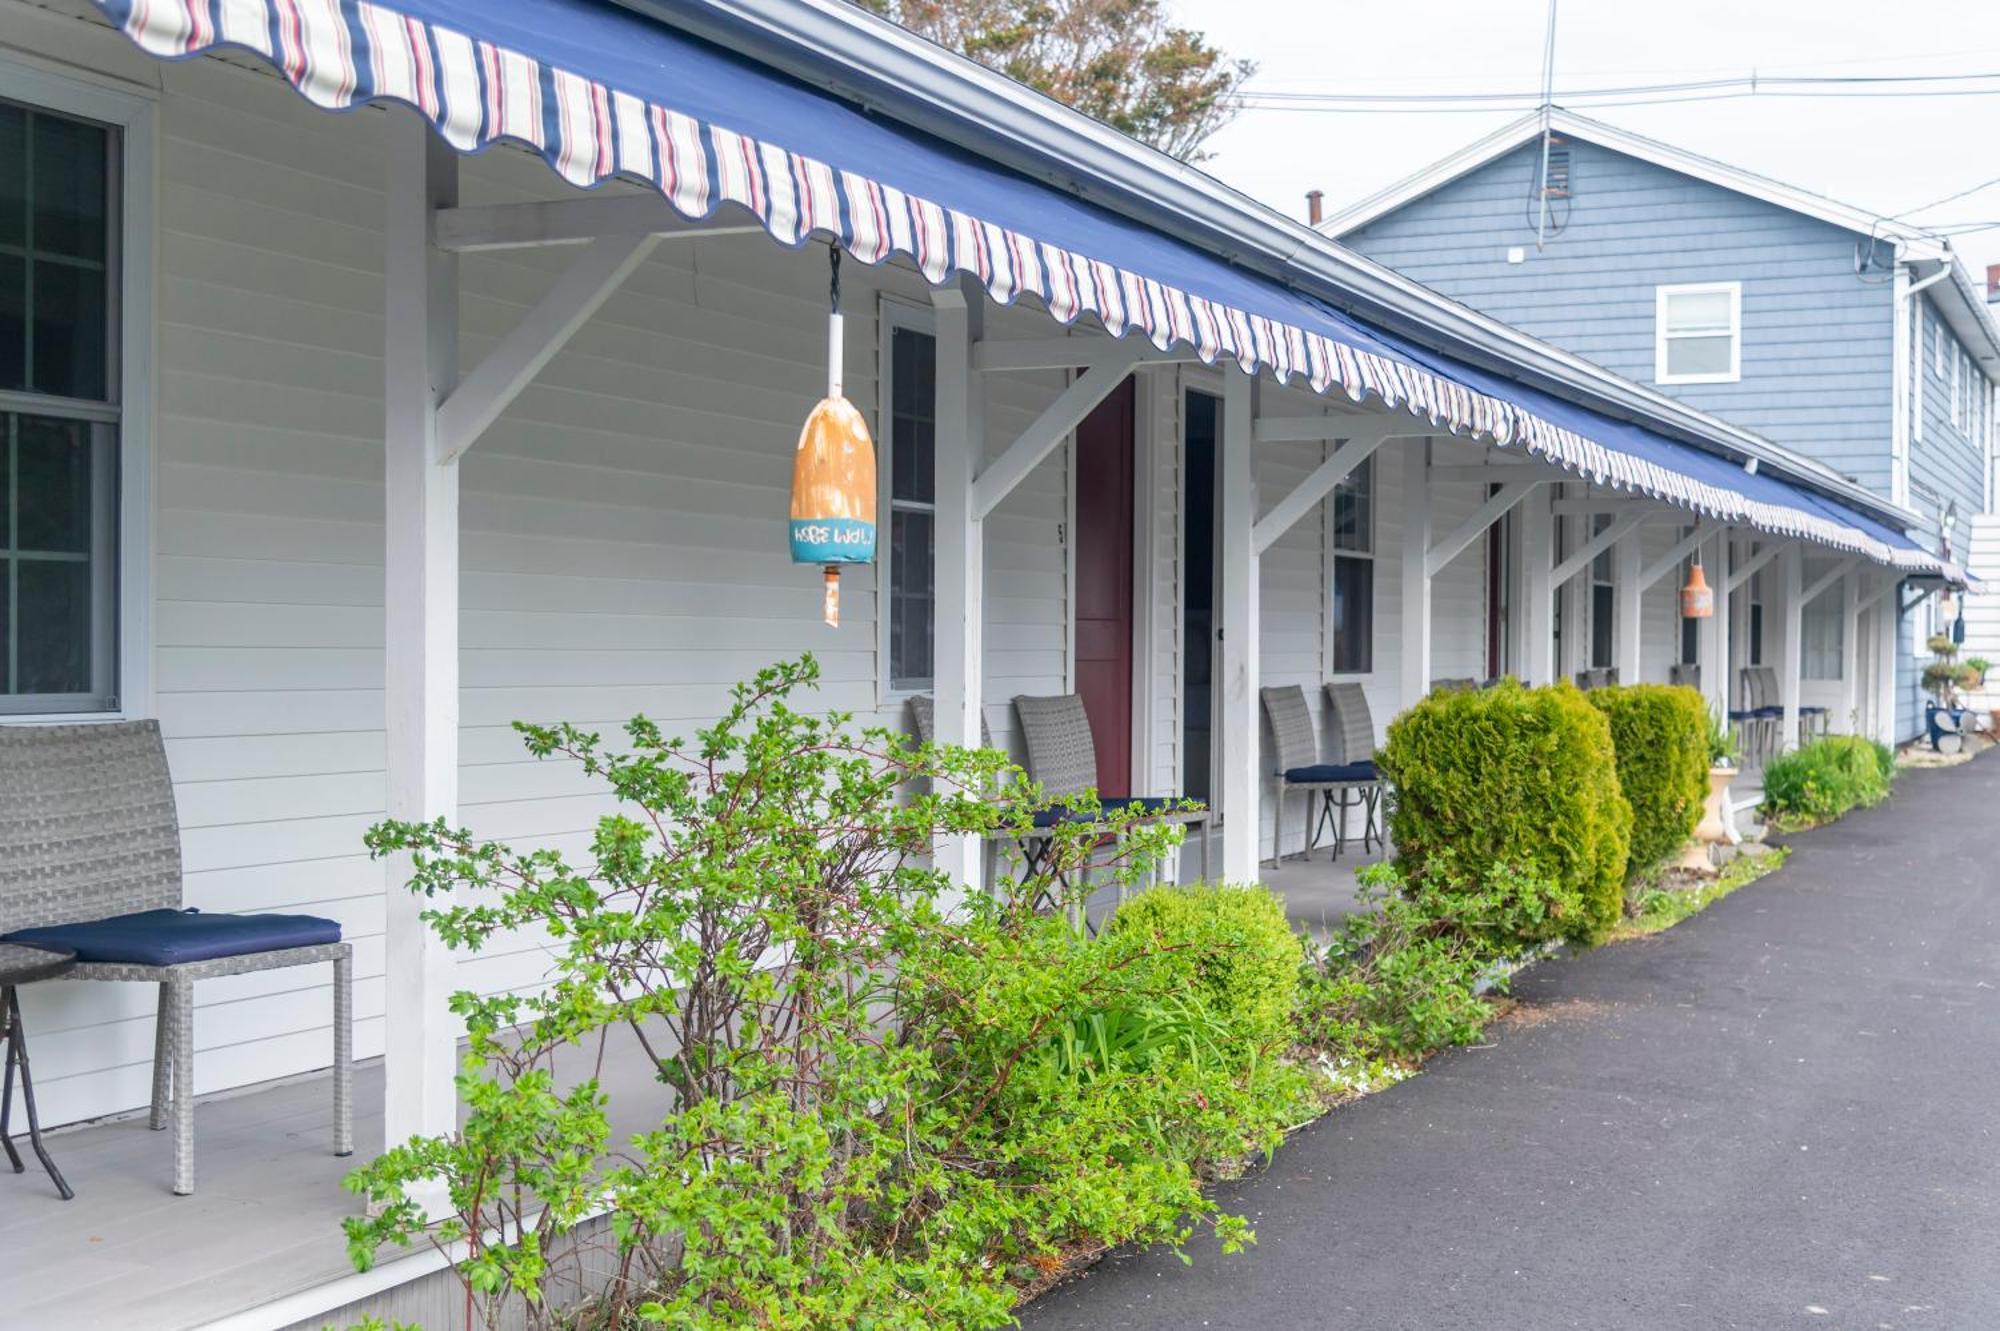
1717, 823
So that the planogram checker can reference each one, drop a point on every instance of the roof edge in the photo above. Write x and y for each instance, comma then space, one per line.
890, 71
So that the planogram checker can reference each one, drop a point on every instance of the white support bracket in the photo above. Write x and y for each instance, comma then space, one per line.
1869, 601
1285, 514
1063, 415
1488, 513
1684, 547
511, 366
1625, 522
1905, 607
509, 226
1819, 586
1072, 353
1747, 570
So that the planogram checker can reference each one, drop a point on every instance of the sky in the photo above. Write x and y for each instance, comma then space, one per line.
1882, 154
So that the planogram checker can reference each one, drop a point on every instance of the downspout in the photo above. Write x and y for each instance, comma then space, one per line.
1910, 370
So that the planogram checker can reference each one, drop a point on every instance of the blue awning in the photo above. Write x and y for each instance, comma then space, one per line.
601, 92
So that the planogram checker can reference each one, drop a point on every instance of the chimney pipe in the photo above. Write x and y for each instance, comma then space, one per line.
1316, 213
1993, 284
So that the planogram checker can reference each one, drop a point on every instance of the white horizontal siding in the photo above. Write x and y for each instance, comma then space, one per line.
623, 543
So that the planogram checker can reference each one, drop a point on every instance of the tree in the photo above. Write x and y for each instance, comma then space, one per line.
1119, 61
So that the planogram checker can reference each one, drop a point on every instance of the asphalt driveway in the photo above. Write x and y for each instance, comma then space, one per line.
1784, 1112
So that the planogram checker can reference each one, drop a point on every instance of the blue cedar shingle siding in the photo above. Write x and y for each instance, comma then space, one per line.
1817, 339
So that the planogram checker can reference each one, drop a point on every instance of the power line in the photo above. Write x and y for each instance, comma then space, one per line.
1639, 94
1949, 198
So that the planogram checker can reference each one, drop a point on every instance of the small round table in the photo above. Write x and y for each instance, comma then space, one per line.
21, 964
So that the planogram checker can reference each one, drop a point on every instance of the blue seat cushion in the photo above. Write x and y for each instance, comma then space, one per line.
1144, 804
1318, 772
172, 937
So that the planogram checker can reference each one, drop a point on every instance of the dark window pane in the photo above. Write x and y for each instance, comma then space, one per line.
53, 465
1756, 634
13, 322
1198, 599
1601, 599
1353, 616
913, 417
13, 175
69, 330
1353, 512
912, 589
69, 176
1690, 641
54, 643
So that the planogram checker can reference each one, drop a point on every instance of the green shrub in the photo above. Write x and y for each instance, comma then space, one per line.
882, 1103
1516, 782
1401, 978
1828, 777
1660, 734
1232, 946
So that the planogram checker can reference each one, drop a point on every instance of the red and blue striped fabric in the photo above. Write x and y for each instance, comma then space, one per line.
488, 71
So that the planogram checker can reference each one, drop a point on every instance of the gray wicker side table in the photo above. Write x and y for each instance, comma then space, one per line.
20, 964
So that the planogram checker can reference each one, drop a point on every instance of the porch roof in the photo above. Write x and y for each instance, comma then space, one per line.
601, 92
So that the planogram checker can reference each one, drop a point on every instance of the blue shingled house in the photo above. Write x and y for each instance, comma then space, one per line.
1848, 337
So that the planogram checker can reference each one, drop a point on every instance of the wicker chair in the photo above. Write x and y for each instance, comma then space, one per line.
90, 858
1354, 741
1331, 789
1812, 720
1062, 760
1685, 676
1758, 718
923, 719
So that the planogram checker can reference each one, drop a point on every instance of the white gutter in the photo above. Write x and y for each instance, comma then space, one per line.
889, 71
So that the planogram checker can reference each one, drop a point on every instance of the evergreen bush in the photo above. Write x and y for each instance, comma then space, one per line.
1231, 946
1518, 782
1660, 735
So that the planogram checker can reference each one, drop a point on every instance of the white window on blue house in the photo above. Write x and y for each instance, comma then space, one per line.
909, 437
1957, 391
59, 412
1698, 333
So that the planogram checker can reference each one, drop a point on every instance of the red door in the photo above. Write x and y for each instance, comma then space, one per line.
1104, 501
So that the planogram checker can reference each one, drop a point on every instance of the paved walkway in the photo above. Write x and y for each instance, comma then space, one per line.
1785, 1112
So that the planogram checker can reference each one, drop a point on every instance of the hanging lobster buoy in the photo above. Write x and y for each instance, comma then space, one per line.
1697, 598
833, 476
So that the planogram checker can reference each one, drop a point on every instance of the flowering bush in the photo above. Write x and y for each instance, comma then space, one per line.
885, 1103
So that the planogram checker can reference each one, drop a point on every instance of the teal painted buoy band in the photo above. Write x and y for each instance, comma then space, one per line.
832, 541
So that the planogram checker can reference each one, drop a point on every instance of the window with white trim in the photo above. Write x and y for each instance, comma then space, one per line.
1957, 390
909, 437
60, 225
1937, 346
1603, 600
1353, 529
1698, 333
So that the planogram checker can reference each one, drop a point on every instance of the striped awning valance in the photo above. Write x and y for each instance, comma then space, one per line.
600, 92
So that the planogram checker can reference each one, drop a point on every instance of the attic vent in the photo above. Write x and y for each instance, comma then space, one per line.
1558, 177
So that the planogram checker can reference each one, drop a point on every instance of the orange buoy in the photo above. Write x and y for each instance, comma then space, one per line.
833, 476
1697, 598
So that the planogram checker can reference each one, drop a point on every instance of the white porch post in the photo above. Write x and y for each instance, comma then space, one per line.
1240, 722
1791, 658
1631, 607
1851, 586
1888, 637
1714, 633
958, 665
1535, 663
1416, 654
421, 600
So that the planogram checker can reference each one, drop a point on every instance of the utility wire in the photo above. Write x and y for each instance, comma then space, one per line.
1639, 94
1949, 198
